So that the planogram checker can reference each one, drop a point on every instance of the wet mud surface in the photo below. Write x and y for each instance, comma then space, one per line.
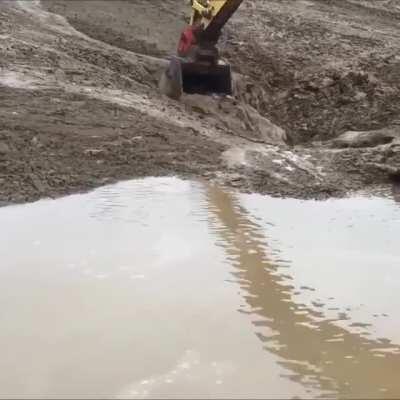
315, 111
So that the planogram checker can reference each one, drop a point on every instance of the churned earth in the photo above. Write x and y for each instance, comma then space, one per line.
315, 111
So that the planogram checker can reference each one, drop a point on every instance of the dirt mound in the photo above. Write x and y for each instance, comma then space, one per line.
324, 67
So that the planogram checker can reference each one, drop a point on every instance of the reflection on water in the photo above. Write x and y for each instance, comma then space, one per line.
396, 191
165, 288
316, 351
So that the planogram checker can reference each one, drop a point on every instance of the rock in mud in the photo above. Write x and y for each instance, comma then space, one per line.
4, 148
37, 183
366, 138
264, 129
237, 117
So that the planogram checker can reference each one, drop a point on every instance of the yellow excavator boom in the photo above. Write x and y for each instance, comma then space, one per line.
213, 14
205, 11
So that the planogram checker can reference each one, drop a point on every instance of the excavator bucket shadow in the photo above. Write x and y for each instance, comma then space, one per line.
195, 78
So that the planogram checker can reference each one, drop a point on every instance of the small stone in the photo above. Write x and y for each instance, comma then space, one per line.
37, 183
359, 96
59, 74
363, 138
4, 148
372, 79
326, 82
35, 141
199, 109
93, 152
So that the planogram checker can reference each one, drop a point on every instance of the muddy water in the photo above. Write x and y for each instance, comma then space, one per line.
165, 288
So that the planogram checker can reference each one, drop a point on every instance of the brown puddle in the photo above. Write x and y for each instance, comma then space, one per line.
165, 288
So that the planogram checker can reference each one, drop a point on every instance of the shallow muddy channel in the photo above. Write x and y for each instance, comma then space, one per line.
169, 288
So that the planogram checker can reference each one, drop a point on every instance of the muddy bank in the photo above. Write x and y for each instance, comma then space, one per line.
80, 107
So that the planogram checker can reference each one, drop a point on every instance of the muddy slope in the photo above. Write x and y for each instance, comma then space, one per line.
324, 66
80, 105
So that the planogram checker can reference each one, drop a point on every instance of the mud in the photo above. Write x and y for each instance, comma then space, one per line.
80, 105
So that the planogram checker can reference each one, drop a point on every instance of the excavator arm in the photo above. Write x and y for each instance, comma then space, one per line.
213, 15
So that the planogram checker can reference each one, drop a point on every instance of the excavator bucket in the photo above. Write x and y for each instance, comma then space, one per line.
195, 78
206, 79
